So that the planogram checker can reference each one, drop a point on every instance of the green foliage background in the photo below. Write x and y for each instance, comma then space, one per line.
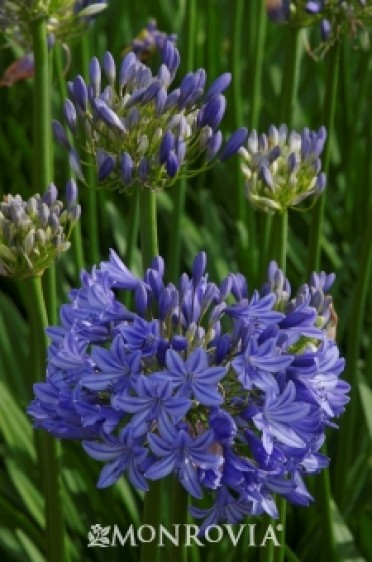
210, 223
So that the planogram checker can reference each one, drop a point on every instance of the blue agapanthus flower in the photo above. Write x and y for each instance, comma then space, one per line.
139, 132
229, 391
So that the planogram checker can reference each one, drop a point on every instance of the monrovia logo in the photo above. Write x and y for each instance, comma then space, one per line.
186, 535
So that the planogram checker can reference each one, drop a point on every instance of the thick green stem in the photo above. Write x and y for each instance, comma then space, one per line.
133, 227
42, 111
179, 510
287, 102
47, 446
290, 77
257, 62
132, 238
280, 239
152, 515
316, 227
241, 206
43, 136
76, 239
180, 189
91, 193
148, 226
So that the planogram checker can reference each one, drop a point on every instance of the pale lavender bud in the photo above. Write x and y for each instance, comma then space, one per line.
28, 242
106, 96
74, 162
198, 267
132, 118
164, 75
151, 92
292, 162
170, 57
282, 132
273, 135
180, 149
172, 164
218, 86
126, 164
321, 183
53, 221
165, 303
136, 97
237, 139
200, 77
43, 213
60, 134
187, 87
69, 113
80, 92
70, 89
161, 98
172, 99
263, 143
225, 288
50, 195
274, 154
313, 7
75, 213
197, 94
106, 167
108, 116
167, 144
71, 193
143, 77
213, 145
141, 300
31, 207
128, 62
143, 168
109, 67
95, 75
265, 174
213, 112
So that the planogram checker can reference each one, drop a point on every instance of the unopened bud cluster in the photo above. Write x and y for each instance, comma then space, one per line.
137, 131
65, 18
150, 40
35, 232
283, 168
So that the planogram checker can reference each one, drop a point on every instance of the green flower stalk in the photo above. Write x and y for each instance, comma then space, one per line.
283, 169
34, 233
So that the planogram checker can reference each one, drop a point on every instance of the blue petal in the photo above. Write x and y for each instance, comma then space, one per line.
162, 468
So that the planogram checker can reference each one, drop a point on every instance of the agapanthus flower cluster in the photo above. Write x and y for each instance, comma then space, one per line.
150, 41
65, 18
335, 17
34, 233
230, 392
138, 132
283, 168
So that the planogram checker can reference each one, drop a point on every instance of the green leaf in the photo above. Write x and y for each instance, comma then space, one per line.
365, 393
32, 553
18, 436
347, 550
